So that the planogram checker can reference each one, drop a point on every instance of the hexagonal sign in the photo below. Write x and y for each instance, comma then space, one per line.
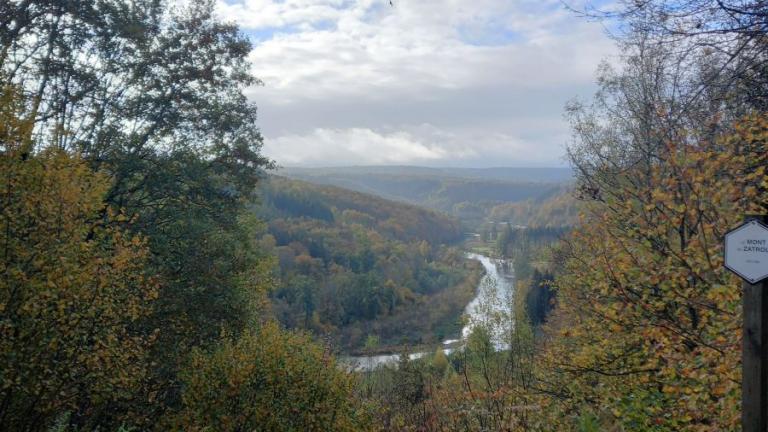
746, 251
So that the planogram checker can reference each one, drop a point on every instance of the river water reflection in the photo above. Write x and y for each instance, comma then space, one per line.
493, 302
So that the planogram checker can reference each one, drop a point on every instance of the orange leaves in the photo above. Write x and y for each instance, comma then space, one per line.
644, 288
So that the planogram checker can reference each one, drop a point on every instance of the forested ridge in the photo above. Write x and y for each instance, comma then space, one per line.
154, 276
360, 268
469, 195
560, 210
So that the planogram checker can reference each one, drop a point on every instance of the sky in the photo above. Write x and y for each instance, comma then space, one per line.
462, 83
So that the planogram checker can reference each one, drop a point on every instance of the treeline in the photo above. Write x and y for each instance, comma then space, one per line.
555, 211
645, 333
354, 266
133, 286
530, 250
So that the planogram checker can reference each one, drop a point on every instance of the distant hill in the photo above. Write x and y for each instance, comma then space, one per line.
560, 210
289, 198
467, 193
516, 174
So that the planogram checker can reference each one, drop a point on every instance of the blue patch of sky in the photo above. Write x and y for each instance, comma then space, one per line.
375, 11
325, 25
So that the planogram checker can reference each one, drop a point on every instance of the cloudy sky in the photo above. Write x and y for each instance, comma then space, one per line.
419, 82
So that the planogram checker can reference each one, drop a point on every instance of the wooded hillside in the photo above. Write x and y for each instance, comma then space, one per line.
356, 266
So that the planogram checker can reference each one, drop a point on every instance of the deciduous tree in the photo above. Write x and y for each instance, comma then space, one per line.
73, 290
267, 380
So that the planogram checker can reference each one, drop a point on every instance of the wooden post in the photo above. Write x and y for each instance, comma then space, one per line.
754, 380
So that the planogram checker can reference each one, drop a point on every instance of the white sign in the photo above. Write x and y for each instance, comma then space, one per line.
746, 251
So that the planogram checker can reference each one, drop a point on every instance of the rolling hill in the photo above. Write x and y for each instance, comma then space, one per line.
469, 194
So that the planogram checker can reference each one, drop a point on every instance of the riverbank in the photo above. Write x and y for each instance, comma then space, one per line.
493, 296
426, 322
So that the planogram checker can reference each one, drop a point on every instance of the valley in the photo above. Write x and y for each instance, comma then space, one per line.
369, 273
492, 301
354, 216
376, 276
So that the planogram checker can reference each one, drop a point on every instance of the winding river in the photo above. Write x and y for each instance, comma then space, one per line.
491, 306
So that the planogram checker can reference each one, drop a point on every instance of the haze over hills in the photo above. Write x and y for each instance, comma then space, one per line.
524, 174
469, 194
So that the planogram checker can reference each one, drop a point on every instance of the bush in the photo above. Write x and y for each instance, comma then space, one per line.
267, 380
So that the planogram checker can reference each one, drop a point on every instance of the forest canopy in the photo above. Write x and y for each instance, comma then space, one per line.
353, 265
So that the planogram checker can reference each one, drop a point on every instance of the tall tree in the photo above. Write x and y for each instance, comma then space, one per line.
649, 320
730, 33
152, 95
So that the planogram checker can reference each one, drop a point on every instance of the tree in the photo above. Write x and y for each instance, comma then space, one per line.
267, 380
647, 312
440, 361
118, 79
668, 158
72, 293
503, 240
151, 96
730, 33
539, 297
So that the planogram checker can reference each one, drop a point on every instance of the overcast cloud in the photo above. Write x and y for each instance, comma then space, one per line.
422, 82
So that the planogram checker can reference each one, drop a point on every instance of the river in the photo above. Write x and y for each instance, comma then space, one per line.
491, 306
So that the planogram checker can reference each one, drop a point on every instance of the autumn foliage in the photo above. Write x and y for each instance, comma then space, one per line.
648, 333
267, 380
72, 288
134, 274
645, 334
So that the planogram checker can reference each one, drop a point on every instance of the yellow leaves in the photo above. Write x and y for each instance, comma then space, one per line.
720, 390
644, 287
267, 380
668, 389
72, 283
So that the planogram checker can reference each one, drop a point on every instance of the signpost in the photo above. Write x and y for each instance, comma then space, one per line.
746, 254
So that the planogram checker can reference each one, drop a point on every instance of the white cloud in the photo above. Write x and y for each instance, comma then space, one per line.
255, 14
423, 145
355, 146
373, 73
